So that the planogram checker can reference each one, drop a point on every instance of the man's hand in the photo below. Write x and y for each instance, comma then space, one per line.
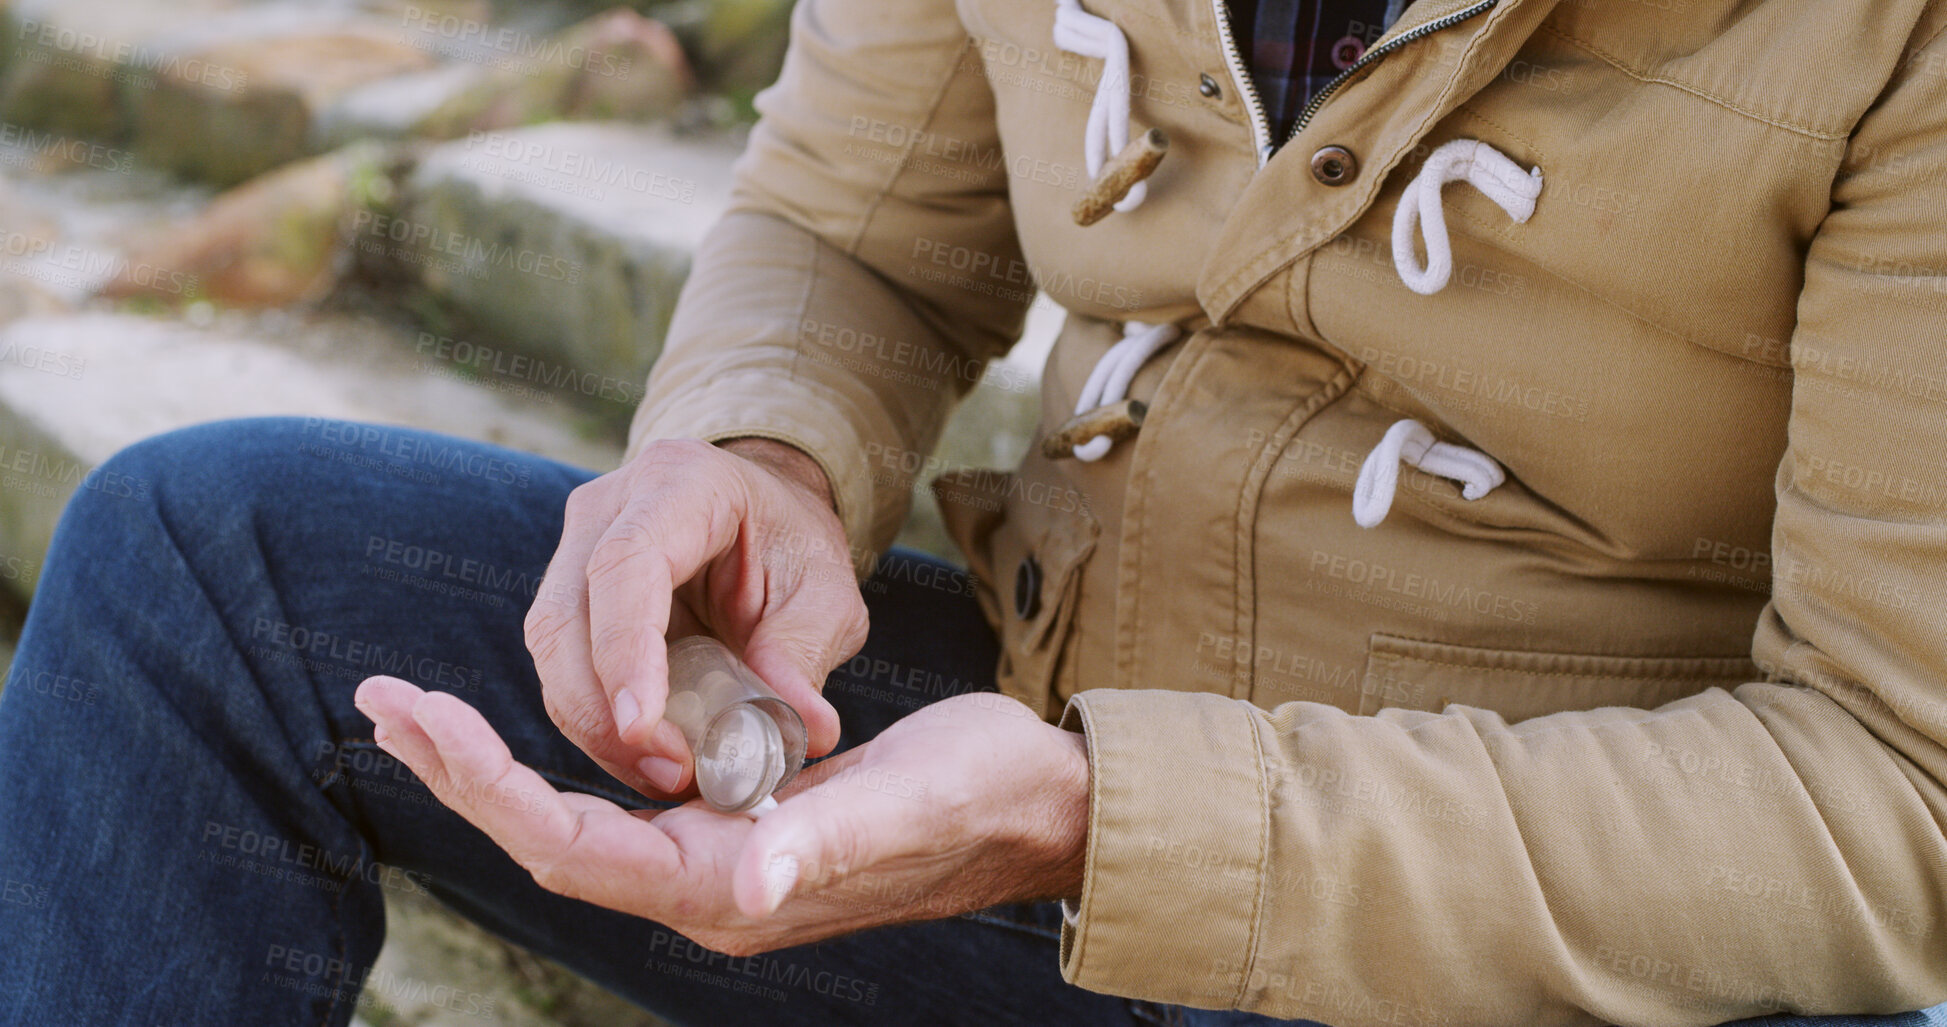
739, 542
969, 802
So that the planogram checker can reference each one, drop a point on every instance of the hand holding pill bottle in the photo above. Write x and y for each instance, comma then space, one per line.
748, 742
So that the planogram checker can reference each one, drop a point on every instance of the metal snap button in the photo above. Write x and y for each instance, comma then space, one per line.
1208, 87
1334, 165
1027, 587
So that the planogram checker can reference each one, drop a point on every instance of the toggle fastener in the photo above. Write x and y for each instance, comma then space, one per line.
1117, 420
1135, 163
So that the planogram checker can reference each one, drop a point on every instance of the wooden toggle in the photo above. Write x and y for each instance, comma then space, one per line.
1116, 420
1120, 174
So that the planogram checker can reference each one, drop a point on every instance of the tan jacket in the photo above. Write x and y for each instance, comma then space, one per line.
1650, 734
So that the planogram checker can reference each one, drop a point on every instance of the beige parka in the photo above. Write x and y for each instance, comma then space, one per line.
1650, 733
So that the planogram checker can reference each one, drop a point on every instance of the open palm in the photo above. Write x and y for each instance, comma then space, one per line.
967, 803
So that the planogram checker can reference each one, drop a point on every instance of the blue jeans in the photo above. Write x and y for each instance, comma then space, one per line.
196, 828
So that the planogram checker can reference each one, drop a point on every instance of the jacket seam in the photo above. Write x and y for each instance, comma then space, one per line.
899, 170
1298, 297
1090, 870
1134, 513
825, 462
1251, 496
1258, 902
1396, 658
1914, 52
1540, 156
1696, 91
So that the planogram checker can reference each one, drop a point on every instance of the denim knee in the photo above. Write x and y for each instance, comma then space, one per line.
224, 467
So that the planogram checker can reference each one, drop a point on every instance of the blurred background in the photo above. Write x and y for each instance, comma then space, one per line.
471, 216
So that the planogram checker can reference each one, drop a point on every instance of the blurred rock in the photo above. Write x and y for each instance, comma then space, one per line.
479, 978
76, 64
570, 240
24, 230
411, 12
6, 40
240, 108
67, 92
22, 224
277, 240
392, 108
617, 65
20, 299
738, 45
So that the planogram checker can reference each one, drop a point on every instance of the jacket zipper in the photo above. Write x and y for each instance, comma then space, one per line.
1240, 79
1318, 100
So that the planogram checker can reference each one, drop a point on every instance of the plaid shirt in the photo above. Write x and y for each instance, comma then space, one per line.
1294, 47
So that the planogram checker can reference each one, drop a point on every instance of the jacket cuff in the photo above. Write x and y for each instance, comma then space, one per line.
799, 413
1178, 839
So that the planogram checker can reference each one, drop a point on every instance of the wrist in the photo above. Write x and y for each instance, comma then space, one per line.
786, 461
1060, 828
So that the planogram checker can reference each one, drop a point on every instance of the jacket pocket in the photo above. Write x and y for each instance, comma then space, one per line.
1029, 557
1415, 674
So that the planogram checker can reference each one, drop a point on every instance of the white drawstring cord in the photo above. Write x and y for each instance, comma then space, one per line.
1409, 440
1109, 381
1406, 441
1481, 166
1080, 32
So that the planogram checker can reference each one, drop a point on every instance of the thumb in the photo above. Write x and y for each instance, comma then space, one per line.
814, 840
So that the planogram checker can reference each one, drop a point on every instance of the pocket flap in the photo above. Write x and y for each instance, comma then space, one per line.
1416, 674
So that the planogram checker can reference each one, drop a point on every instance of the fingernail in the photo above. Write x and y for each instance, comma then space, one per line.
626, 711
381, 735
664, 774
780, 876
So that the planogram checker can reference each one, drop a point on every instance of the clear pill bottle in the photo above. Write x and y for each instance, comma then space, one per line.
747, 742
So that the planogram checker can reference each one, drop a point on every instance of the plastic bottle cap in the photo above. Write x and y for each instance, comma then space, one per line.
741, 759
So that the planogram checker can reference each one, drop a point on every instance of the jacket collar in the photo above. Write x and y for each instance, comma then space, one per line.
1380, 116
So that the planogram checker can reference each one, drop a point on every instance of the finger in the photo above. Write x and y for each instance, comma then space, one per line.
794, 647
660, 540
558, 638
583, 846
389, 701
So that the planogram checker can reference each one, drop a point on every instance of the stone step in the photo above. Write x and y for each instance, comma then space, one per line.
567, 240
217, 89
224, 90
440, 970
75, 388
571, 243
